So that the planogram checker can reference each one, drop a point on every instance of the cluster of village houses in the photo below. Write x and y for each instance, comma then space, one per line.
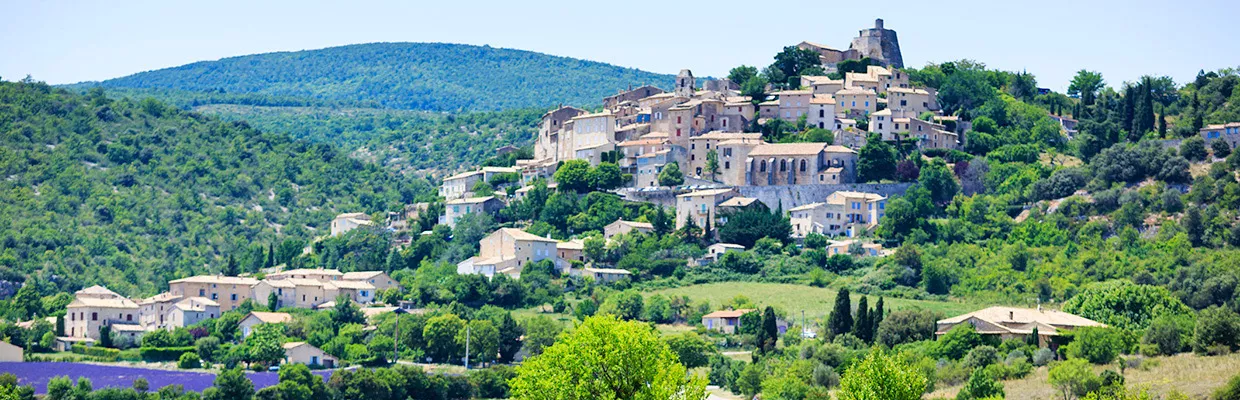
191, 300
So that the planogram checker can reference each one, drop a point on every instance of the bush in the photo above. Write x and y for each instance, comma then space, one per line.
160, 354
1230, 391
96, 351
189, 361
1043, 356
1193, 148
957, 342
906, 326
1217, 327
1074, 378
1220, 148
981, 356
1097, 345
982, 384
1167, 335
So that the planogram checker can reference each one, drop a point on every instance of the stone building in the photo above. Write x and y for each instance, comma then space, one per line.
800, 163
507, 251
880, 44
350, 221
95, 307
701, 206
228, 291
701, 146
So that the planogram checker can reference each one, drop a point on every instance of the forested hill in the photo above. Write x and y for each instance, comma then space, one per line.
129, 194
416, 76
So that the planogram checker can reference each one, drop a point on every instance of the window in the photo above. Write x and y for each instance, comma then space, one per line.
783, 165
727, 152
854, 104
129, 317
677, 131
803, 165
94, 316
678, 119
215, 296
202, 292
727, 165
692, 146
821, 114
762, 166
233, 297
725, 123
880, 125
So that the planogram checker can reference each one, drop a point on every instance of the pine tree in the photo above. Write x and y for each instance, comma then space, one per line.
840, 321
861, 325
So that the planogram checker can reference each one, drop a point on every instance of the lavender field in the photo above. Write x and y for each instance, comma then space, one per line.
101, 376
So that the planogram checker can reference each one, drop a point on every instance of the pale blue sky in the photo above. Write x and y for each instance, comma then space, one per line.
65, 42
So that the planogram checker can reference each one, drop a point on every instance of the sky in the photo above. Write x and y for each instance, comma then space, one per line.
60, 41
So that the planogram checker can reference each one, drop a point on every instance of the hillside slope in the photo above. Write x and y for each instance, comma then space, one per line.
129, 194
417, 76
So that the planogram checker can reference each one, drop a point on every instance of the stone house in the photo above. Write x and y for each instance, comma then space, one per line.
648, 167
638, 93
547, 147
1008, 323
318, 274
820, 85
700, 206
256, 318
508, 251
228, 291
768, 109
380, 280
725, 321
631, 149
822, 112
808, 218
191, 311
304, 353
914, 101
862, 81
350, 221
800, 164
621, 227
793, 104
152, 310
11, 353
572, 250
701, 146
459, 185
733, 167
455, 209
863, 101
95, 307
849, 207
1229, 133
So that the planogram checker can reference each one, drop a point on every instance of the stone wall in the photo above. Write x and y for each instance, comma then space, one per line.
788, 196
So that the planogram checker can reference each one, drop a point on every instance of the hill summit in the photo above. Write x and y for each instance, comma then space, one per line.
417, 76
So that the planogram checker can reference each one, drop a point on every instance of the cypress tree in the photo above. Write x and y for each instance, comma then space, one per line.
271, 255
1197, 114
1032, 340
861, 327
840, 321
1125, 121
230, 269
1162, 124
769, 334
1145, 110
876, 317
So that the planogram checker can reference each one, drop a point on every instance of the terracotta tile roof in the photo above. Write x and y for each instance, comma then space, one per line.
707, 192
785, 149
271, 317
471, 200
728, 313
523, 235
217, 279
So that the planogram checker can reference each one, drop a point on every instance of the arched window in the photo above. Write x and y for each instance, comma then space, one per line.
803, 165
762, 166
783, 165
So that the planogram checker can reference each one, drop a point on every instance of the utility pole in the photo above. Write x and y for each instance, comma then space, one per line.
466, 347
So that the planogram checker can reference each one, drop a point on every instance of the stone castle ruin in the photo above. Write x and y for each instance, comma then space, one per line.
877, 43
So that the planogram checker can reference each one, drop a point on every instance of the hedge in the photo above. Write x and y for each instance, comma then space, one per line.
158, 354
96, 351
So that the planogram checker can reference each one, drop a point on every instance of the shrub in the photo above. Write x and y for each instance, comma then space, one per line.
1073, 378
1193, 148
1097, 345
982, 384
1217, 327
981, 356
957, 342
96, 351
160, 354
1230, 391
1220, 148
906, 326
1167, 335
1043, 356
189, 361
882, 376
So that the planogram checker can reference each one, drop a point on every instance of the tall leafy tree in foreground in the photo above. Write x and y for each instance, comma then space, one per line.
882, 376
1086, 84
605, 358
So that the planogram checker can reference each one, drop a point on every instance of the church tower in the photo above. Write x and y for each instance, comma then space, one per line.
685, 84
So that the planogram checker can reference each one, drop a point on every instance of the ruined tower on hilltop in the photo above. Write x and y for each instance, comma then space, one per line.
879, 44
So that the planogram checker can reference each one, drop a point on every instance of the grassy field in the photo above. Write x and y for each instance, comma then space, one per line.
1193, 375
816, 302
